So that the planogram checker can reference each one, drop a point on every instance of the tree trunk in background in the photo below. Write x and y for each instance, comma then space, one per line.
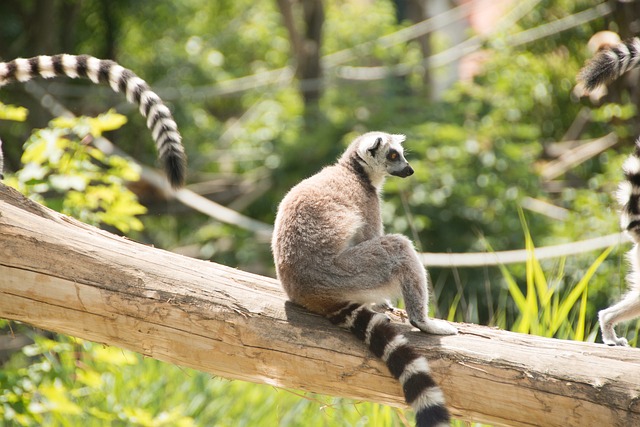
37, 27
304, 20
626, 16
416, 11
626, 13
111, 30
44, 19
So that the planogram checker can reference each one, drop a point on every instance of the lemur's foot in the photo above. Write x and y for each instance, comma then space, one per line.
435, 326
397, 313
612, 339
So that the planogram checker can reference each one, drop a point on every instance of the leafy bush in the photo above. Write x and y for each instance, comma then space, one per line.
63, 171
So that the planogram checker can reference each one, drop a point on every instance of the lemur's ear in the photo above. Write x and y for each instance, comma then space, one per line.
372, 150
398, 138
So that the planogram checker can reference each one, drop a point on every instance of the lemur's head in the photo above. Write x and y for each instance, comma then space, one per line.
382, 154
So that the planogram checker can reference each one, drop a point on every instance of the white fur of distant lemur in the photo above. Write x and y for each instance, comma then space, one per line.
629, 198
609, 64
159, 119
333, 258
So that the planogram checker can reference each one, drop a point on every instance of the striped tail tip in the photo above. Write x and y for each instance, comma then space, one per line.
600, 70
402, 360
174, 162
431, 413
611, 63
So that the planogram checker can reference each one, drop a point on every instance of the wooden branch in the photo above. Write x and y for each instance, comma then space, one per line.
59, 274
578, 155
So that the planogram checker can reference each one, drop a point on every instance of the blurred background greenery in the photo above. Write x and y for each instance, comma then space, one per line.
265, 94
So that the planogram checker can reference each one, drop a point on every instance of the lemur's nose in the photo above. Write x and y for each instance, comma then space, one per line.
408, 171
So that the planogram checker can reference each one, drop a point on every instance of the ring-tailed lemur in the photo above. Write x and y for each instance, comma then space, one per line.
629, 199
159, 119
609, 64
332, 257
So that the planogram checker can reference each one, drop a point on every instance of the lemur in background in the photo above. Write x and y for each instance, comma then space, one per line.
159, 119
333, 258
609, 64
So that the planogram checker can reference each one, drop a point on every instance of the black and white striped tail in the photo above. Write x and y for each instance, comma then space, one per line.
404, 362
629, 195
610, 63
159, 119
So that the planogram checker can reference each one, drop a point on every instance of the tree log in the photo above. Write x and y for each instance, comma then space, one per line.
59, 274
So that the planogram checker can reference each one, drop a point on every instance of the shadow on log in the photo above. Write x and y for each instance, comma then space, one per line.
61, 275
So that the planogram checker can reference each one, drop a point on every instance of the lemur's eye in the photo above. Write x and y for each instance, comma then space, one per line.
393, 155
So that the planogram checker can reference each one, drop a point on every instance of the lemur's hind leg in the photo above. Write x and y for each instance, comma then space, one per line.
628, 308
383, 267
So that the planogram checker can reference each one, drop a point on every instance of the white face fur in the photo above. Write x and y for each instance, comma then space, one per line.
383, 154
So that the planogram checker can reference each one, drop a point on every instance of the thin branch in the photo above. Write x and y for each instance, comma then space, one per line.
479, 259
577, 156
560, 25
283, 76
157, 180
403, 35
545, 208
443, 58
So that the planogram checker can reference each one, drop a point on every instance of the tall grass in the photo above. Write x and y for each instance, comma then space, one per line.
71, 382
543, 310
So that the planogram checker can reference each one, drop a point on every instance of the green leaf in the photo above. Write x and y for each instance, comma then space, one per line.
106, 122
56, 399
577, 291
453, 308
64, 122
13, 113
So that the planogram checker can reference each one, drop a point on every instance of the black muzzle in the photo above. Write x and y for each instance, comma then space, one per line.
408, 171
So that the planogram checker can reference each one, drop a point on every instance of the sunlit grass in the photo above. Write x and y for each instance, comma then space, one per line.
543, 310
77, 382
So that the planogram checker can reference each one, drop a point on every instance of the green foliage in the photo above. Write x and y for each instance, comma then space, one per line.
63, 171
544, 310
70, 382
11, 112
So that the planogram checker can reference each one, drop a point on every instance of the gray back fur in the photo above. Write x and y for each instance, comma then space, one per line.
335, 209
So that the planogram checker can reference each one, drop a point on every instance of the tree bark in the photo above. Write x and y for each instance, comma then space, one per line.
59, 274
305, 35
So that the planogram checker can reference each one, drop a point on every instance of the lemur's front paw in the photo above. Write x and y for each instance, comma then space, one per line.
609, 336
617, 341
435, 326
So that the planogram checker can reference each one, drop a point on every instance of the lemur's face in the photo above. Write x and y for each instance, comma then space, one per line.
384, 153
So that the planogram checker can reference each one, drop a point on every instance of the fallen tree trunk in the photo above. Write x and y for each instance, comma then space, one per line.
59, 274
